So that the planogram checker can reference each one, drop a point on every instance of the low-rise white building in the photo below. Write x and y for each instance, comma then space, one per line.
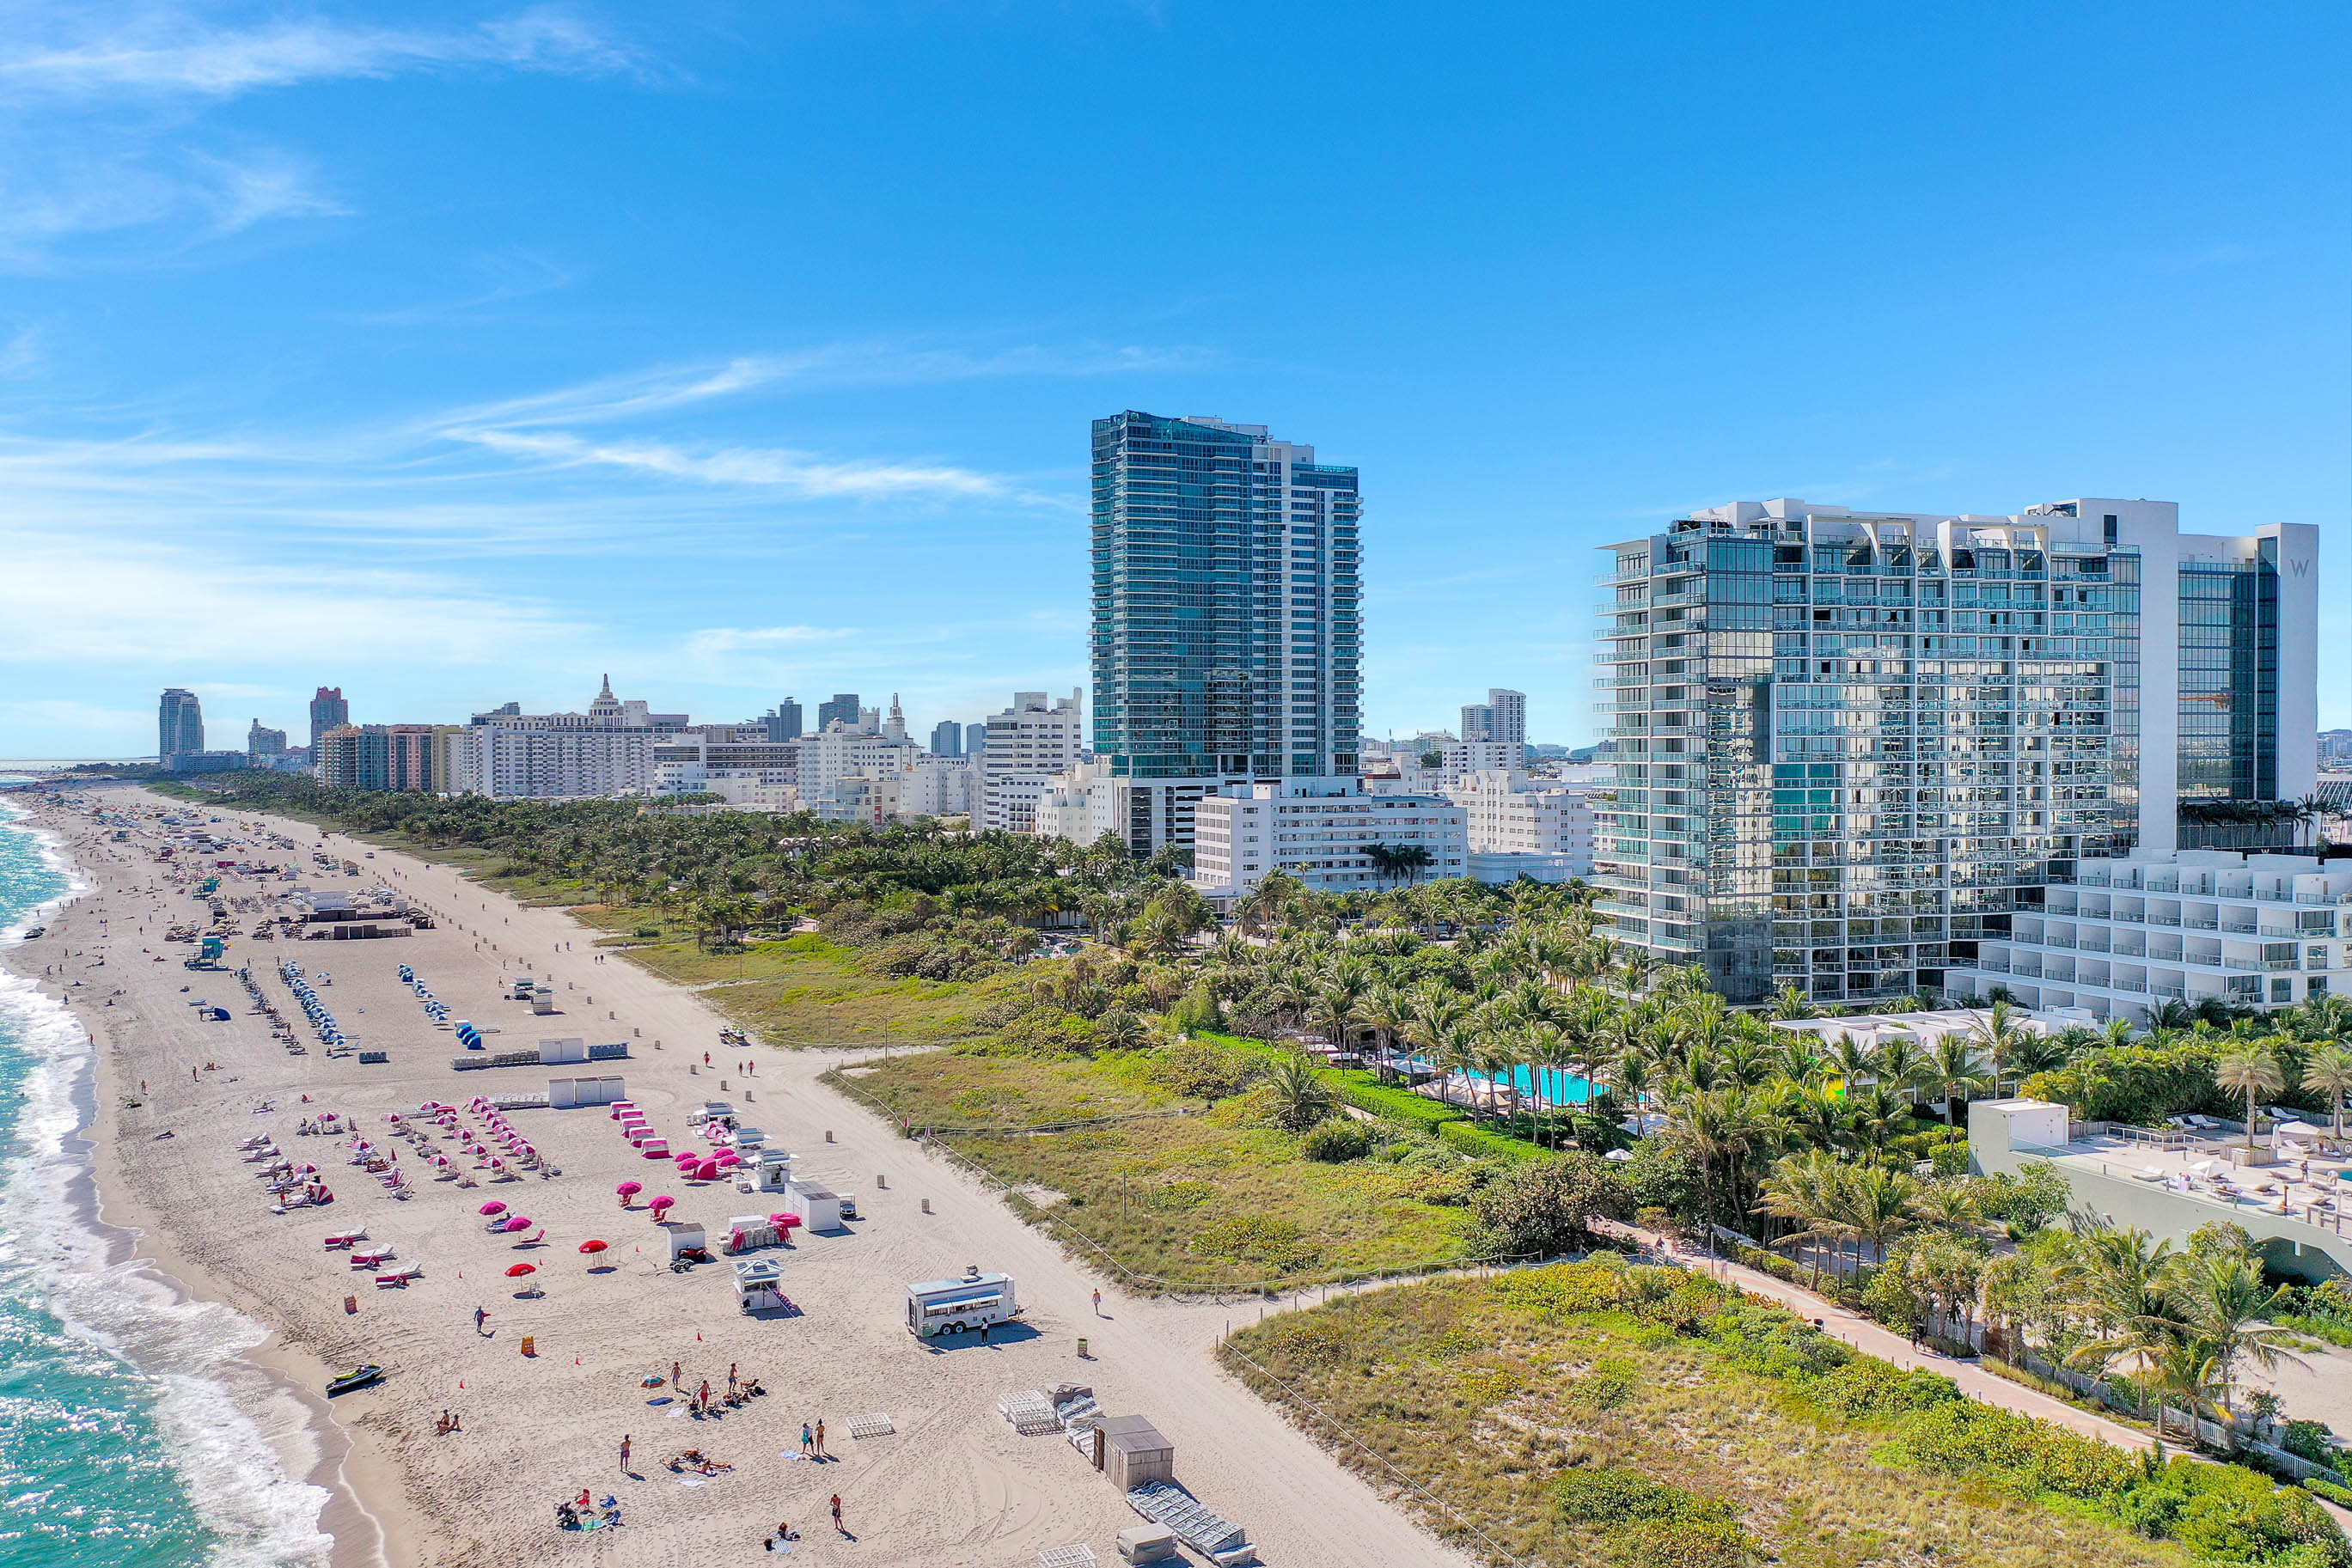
1323, 832
1523, 827
2254, 930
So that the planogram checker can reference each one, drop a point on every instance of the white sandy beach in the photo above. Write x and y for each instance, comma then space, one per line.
954, 1485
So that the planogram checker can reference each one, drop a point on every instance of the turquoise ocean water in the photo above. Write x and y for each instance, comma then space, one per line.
130, 1433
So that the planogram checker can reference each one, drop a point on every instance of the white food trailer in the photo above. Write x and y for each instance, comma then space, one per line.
957, 1306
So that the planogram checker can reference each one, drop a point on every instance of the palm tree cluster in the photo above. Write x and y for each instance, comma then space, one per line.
2182, 1326
732, 869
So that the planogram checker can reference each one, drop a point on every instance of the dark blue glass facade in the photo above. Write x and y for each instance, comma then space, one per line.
1227, 626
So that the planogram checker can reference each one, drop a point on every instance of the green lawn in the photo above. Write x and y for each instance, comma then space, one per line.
1551, 1429
1197, 1200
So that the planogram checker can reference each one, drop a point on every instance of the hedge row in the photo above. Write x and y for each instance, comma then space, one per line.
1366, 1093
1474, 1140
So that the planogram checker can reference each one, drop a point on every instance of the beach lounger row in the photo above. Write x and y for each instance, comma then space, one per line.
1166, 1504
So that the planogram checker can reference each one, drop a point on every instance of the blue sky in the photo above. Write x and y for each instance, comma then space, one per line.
452, 354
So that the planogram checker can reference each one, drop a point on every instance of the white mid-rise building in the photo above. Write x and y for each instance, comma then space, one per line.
2129, 935
1326, 832
1025, 746
935, 786
1500, 721
513, 756
1523, 827
838, 752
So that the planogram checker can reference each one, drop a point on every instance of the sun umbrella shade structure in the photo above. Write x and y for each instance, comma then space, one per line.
494, 1206
592, 1247
517, 1222
517, 1271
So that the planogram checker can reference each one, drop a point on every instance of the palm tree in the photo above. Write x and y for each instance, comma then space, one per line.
1820, 1116
1549, 1052
2226, 1307
1952, 1070
1791, 1002
1997, 1033
2329, 1072
1882, 1202
1802, 1192
1300, 1097
2249, 1070
2119, 1287
1721, 1127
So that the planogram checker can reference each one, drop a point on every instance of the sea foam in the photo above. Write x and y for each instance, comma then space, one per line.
235, 1440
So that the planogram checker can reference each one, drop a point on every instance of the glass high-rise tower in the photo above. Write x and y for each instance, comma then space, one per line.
1228, 617
179, 725
1854, 750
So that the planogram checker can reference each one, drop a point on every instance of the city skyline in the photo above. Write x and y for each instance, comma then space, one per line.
458, 364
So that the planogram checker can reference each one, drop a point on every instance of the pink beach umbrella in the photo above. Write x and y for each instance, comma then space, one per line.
663, 1202
493, 1206
729, 1157
517, 1222
629, 1189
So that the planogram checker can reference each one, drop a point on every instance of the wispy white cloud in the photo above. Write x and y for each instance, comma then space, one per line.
111, 51
714, 640
106, 158
514, 274
144, 603
871, 362
797, 472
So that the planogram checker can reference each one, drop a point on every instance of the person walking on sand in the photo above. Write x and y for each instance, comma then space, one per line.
731, 1378
624, 1453
1097, 1304
481, 1316
673, 1375
808, 1441
836, 1513
820, 1440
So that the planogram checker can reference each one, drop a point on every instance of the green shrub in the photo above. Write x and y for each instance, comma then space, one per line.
2341, 1496
1198, 1008
1965, 1439
1682, 1543
1604, 1494
1483, 1144
1204, 1068
1549, 1207
1866, 1386
1336, 1140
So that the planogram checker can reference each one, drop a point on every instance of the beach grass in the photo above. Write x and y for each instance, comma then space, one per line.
1199, 1200
801, 991
1528, 1423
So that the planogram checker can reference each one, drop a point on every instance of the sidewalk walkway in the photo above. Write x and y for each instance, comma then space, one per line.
1841, 1323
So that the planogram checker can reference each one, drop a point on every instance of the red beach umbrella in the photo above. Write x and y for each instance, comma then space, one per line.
592, 1247
517, 1271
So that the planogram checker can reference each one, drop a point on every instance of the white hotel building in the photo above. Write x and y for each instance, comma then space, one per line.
1522, 827
510, 756
1318, 831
